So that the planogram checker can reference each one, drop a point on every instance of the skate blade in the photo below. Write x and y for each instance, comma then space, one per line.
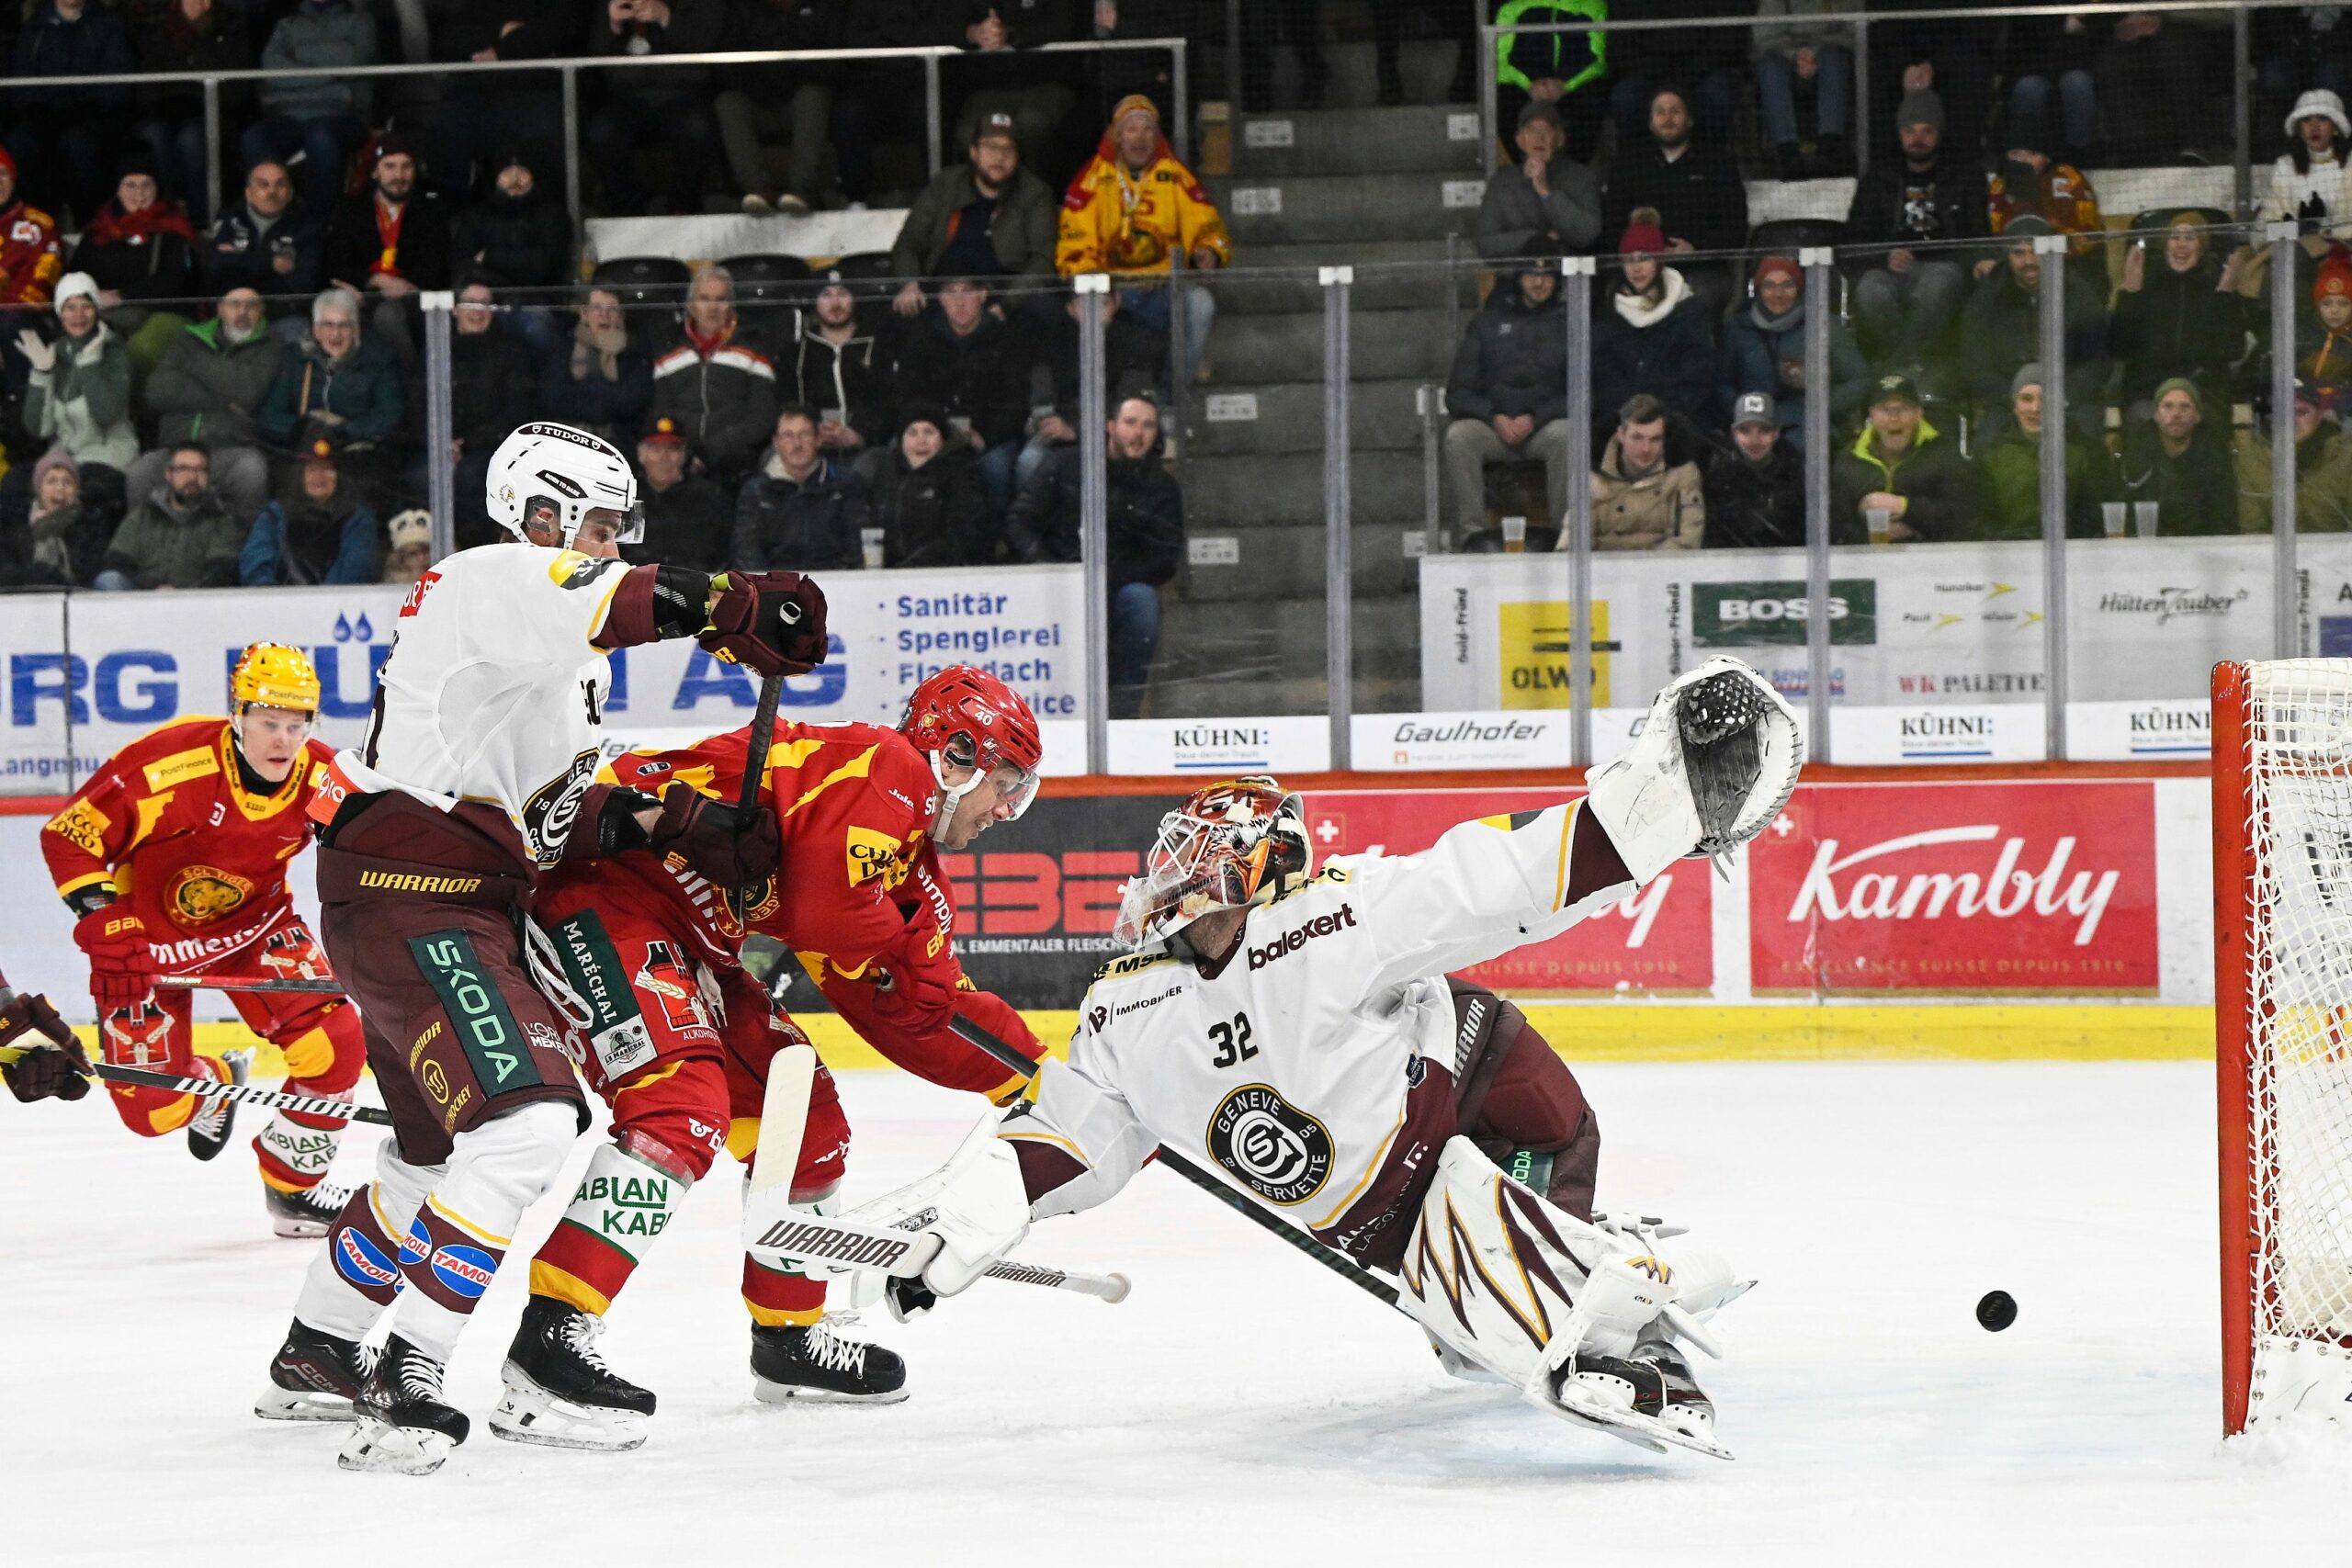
529, 1414
275, 1404
1593, 1408
768, 1392
394, 1450
298, 1229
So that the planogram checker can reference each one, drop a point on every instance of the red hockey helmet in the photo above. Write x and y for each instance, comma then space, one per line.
1232, 844
969, 718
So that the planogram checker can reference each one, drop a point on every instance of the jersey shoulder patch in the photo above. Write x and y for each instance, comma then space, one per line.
1132, 963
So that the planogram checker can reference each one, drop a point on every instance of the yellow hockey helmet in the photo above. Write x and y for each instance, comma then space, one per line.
275, 676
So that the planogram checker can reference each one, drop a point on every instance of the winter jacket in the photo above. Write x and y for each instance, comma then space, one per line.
1513, 360
983, 376
2001, 330
1931, 475
2175, 324
364, 388
1660, 346
161, 545
1897, 206
545, 29
491, 378
784, 25
1576, 60
241, 252
853, 376
64, 548
1513, 211
333, 35
1665, 509
2318, 198
1023, 230
811, 525
2323, 483
1809, 26
82, 403
2322, 358
724, 399
511, 242
30, 260
204, 389
297, 540
1144, 511
1699, 195
1112, 221
601, 387
686, 525
2011, 471
1756, 346
1755, 505
2195, 492
934, 515
94, 44
420, 255
697, 26
170, 44
145, 255
2061, 194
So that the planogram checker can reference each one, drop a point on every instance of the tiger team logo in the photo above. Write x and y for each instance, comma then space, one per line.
668, 981
202, 894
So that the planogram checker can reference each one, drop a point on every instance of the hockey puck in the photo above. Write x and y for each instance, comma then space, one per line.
1996, 1310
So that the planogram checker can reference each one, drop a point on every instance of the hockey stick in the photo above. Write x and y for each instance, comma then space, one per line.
755, 767
212, 1088
981, 1040
322, 987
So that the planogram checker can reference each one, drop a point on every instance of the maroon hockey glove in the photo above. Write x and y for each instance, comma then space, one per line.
772, 622
52, 1065
717, 840
123, 970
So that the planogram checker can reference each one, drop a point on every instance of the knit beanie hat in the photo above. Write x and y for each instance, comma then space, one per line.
1920, 106
2181, 384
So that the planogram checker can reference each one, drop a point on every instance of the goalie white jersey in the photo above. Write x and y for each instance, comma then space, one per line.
494, 690
1288, 1067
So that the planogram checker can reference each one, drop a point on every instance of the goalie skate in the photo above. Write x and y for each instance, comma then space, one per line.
1649, 1401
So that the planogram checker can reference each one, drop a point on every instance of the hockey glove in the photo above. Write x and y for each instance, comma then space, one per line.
122, 969
39, 1055
772, 622
717, 840
976, 1204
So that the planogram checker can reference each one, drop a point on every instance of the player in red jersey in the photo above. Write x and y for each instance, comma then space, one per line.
676, 1036
173, 858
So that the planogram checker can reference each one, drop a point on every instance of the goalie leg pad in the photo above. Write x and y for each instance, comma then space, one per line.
1716, 760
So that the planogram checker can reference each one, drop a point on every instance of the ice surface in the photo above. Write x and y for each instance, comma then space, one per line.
1241, 1406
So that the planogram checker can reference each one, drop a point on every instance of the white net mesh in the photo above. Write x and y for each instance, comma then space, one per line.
2299, 1013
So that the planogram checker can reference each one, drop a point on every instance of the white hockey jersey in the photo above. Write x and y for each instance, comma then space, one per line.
1288, 1068
493, 690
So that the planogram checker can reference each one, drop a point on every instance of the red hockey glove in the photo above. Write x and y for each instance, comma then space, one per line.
772, 622
123, 970
39, 1055
916, 988
718, 841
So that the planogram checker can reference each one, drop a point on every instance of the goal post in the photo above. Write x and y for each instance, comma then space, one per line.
2283, 994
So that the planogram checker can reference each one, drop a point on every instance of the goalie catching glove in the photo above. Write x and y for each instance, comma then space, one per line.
772, 622
1714, 763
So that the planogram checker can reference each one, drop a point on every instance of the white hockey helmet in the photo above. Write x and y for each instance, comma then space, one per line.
568, 469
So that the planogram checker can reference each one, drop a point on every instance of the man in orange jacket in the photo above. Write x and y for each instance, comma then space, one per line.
1130, 210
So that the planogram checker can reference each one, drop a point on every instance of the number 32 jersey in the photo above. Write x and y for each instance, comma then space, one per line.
1288, 1066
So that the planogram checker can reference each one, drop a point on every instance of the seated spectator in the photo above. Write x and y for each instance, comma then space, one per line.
1653, 334
2323, 333
409, 541
2046, 57
1905, 299
2323, 475
1904, 466
1950, 57
209, 387
340, 381
320, 529
2001, 330
604, 378
1507, 399
792, 101
2311, 181
2180, 317
318, 118
1036, 91
267, 241
63, 138
721, 391
962, 358
2178, 462
140, 251
1755, 491
2147, 74
48, 539
803, 510
669, 108
389, 241
1807, 48
178, 535
1712, 61
191, 35
2298, 47
687, 516
1640, 501
516, 237
78, 396
986, 218
836, 365
928, 499
1764, 350
1544, 196
483, 113
1144, 513
1693, 189
2028, 184
2012, 472
1567, 70
490, 376
1130, 208
30, 261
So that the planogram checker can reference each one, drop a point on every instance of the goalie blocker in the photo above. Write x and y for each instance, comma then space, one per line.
1297, 1032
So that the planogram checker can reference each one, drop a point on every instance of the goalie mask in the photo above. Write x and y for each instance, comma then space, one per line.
1232, 844
545, 467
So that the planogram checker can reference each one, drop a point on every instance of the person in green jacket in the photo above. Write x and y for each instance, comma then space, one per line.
1565, 70
78, 397
989, 218
2012, 469
1902, 465
2322, 472
180, 536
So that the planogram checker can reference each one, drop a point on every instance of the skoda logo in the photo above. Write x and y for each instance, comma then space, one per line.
1277, 1150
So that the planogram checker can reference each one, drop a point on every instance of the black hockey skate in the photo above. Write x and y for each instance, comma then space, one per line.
404, 1425
559, 1391
1649, 1399
308, 1213
215, 1120
313, 1377
790, 1362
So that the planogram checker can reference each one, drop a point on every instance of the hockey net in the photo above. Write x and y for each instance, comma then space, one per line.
2282, 908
